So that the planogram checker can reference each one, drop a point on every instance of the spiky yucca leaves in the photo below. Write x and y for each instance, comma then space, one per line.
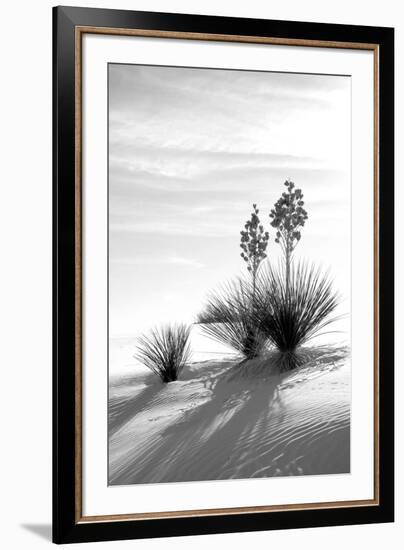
292, 313
165, 351
229, 318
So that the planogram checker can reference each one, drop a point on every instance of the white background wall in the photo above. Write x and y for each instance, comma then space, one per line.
25, 275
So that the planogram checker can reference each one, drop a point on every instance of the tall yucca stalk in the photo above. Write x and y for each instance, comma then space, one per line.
253, 243
288, 217
229, 318
291, 311
229, 314
165, 351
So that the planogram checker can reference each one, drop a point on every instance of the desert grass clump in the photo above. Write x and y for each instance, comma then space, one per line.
292, 310
229, 318
165, 351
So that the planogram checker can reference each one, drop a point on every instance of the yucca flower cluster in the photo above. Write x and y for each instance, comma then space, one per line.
254, 242
288, 216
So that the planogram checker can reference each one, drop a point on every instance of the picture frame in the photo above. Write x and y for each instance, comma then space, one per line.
70, 26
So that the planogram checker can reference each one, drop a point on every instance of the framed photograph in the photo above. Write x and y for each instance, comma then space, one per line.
223, 274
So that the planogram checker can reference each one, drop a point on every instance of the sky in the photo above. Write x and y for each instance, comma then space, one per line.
190, 151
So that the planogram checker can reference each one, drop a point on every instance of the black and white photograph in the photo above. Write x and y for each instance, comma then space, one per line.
229, 274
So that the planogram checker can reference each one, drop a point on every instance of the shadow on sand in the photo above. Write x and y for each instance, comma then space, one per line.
212, 437
238, 420
123, 409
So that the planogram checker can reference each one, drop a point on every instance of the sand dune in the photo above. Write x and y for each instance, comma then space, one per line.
224, 420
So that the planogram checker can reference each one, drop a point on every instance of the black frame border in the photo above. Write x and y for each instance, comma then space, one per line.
65, 527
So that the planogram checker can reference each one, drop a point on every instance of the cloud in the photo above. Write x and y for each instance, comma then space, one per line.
208, 178
177, 260
224, 111
218, 88
184, 163
180, 228
170, 260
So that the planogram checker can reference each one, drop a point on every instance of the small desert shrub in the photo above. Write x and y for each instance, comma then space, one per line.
292, 311
229, 318
165, 351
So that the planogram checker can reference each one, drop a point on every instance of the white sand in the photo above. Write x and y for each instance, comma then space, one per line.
223, 420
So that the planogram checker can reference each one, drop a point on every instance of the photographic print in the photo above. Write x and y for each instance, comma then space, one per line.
223, 274
229, 274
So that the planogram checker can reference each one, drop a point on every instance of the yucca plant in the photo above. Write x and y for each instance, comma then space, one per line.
165, 351
291, 311
229, 318
229, 314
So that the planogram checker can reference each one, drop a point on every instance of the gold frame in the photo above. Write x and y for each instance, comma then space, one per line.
79, 32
